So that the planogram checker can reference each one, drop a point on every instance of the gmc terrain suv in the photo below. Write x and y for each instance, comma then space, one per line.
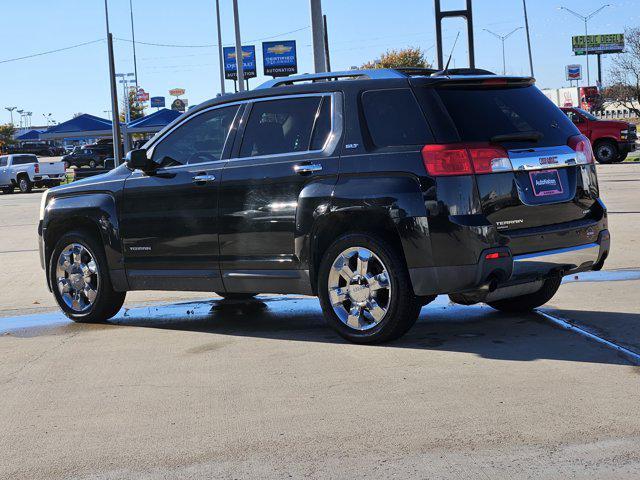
374, 190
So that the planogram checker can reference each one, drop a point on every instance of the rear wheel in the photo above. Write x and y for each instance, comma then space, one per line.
24, 184
606, 152
526, 303
365, 290
92, 164
80, 279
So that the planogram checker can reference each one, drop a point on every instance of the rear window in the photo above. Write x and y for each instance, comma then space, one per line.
481, 114
394, 118
24, 159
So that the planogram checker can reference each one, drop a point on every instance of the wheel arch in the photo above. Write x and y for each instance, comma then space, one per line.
95, 214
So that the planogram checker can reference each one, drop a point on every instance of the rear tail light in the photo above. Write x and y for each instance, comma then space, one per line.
37, 168
582, 147
465, 159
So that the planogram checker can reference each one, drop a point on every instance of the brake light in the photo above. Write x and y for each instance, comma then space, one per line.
37, 168
465, 159
582, 147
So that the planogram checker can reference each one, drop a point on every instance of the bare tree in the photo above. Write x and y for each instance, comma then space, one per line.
625, 74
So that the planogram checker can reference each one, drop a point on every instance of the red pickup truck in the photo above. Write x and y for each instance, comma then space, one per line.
612, 140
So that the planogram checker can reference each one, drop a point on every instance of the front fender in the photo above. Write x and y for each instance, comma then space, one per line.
97, 210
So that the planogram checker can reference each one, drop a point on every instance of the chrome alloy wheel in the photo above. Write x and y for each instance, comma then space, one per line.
77, 277
359, 288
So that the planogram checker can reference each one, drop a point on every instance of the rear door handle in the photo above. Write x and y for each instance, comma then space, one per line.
307, 168
202, 179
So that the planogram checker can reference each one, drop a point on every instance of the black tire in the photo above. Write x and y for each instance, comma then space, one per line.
606, 152
7, 190
24, 184
526, 303
236, 296
108, 302
403, 307
92, 164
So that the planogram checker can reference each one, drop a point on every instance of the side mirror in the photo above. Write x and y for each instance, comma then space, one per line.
138, 160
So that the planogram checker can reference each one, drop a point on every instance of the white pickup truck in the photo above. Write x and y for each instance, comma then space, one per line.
26, 172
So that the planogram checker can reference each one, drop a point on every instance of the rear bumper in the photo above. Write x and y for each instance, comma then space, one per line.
511, 270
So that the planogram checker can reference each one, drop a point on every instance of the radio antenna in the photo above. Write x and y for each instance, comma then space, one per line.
446, 68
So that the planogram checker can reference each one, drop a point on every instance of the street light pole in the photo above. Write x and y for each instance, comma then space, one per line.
10, 110
133, 39
239, 56
585, 19
220, 51
317, 34
115, 128
503, 38
526, 24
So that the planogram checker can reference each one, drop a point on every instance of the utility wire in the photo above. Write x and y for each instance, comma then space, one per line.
52, 51
208, 45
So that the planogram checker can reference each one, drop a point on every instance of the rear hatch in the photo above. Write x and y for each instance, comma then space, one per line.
532, 166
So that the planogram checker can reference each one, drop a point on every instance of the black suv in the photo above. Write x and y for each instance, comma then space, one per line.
374, 190
91, 156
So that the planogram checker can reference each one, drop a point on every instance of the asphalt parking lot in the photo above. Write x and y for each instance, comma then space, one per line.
186, 386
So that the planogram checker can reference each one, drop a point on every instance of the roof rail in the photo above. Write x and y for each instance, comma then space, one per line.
372, 74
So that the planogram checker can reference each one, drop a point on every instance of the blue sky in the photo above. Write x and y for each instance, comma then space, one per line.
77, 80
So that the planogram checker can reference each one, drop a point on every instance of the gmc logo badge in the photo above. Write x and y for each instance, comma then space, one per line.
548, 160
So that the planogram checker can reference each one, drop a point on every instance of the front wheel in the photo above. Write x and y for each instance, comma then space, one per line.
80, 279
365, 290
92, 164
606, 152
526, 303
25, 185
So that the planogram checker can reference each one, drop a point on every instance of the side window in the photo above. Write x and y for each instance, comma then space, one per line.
280, 126
200, 139
3, 161
394, 118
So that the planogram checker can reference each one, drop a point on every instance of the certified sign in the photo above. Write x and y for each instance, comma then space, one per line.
157, 102
279, 58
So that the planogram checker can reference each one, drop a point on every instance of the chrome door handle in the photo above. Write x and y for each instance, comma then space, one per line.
307, 168
204, 178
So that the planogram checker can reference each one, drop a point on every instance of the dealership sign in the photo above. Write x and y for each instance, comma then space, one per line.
157, 102
176, 92
248, 62
598, 44
574, 72
279, 58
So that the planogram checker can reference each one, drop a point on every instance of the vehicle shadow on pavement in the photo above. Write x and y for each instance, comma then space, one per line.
442, 327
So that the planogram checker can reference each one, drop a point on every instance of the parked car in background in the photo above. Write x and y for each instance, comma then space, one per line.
91, 156
612, 140
41, 149
374, 190
25, 171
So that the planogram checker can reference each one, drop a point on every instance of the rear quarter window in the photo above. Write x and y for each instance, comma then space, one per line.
394, 118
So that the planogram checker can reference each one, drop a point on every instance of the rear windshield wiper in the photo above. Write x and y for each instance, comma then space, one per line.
518, 137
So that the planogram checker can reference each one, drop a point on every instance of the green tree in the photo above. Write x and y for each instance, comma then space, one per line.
6, 135
625, 74
411, 57
136, 108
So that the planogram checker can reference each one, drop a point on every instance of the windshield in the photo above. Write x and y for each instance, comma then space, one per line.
586, 114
